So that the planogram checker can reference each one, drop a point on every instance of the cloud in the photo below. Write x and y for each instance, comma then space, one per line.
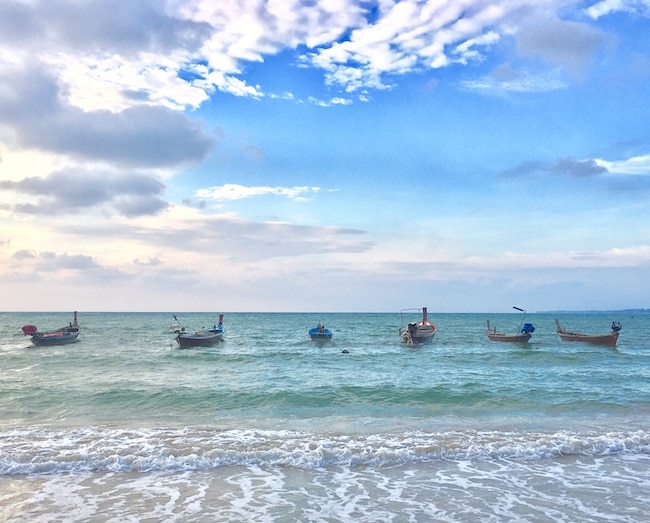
563, 167
337, 100
576, 169
23, 254
606, 7
150, 262
69, 191
153, 137
231, 192
191, 237
110, 26
108, 50
254, 152
51, 262
525, 169
405, 37
113, 55
568, 44
506, 79
59, 269
638, 165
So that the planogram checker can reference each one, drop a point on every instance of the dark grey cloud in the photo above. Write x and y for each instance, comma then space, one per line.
23, 254
562, 167
524, 169
150, 262
578, 169
19, 24
130, 194
570, 45
142, 136
111, 26
50, 262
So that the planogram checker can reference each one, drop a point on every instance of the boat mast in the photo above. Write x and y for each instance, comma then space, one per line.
522, 318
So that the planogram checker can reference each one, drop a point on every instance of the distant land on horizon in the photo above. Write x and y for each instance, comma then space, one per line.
617, 311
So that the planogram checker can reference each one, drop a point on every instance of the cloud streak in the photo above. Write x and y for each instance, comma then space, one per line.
232, 192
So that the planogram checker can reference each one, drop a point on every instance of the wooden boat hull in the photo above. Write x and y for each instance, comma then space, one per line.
514, 338
202, 338
608, 340
187, 341
50, 339
605, 339
523, 337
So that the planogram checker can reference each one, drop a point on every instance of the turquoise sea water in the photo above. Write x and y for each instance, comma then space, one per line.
269, 426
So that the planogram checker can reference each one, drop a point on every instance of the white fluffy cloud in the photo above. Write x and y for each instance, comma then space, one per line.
639, 165
110, 55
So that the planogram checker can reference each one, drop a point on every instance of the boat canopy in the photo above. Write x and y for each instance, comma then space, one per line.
528, 328
29, 330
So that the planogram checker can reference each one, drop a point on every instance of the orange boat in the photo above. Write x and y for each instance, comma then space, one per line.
608, 339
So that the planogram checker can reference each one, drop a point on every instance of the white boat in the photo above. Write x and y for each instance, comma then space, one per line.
417, 332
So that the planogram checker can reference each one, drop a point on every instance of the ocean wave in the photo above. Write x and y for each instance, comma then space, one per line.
28, 452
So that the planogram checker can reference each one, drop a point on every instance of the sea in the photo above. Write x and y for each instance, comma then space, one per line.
268, 426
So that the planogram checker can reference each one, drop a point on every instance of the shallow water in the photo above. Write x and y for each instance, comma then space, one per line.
269, 426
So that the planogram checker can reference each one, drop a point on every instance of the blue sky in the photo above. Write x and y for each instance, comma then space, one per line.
324, 156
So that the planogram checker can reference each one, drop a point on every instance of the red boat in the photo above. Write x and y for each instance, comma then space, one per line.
201, 338
418, 332
608, 339
62, 336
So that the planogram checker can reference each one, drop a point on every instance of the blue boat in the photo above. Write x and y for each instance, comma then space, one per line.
320, 333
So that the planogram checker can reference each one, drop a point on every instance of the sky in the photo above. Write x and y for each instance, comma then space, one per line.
324, 156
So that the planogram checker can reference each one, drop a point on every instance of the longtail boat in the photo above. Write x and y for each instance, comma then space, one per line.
201, 338
62, 336
525, 331
417, 332
525, 334
320, 333
608, 339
